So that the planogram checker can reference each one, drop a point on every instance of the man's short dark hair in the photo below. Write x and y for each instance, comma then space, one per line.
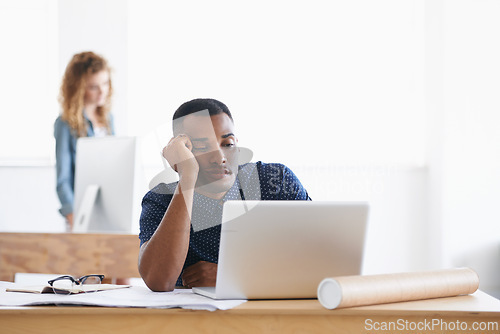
213, 106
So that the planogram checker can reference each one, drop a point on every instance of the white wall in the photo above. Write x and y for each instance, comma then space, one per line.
463, 155
28, 81
327, 82
471, 160
102, 27
28, 200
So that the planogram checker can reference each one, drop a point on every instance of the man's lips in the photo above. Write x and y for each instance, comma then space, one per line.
218, 173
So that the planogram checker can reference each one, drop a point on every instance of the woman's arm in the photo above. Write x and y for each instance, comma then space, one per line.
64, 166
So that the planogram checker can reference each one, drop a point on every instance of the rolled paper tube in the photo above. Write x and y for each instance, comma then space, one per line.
349, 291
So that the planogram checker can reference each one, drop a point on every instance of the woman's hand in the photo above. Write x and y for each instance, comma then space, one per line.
69, 222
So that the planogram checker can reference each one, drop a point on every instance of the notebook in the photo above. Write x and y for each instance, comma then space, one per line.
284, 249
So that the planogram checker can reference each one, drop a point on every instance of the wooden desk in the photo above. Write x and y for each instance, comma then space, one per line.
276, 316
113, 255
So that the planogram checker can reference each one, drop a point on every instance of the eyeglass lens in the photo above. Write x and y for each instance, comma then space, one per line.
67, 285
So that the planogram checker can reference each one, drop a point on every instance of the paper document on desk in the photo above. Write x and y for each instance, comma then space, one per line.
135, 296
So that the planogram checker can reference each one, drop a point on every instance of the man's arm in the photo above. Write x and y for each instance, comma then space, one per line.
162, 257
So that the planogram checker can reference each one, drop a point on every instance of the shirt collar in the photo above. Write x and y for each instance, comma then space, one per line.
232, 194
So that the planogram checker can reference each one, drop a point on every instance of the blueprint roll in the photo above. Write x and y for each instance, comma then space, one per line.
349, 291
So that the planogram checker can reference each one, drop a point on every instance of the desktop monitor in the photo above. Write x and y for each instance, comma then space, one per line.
109, 185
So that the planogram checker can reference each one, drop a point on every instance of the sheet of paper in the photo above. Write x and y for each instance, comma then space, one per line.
135, 296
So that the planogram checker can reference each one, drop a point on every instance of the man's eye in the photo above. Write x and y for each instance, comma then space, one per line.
228, 145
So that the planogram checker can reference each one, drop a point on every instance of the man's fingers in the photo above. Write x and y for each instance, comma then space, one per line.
192, 282
190, 273
188, 276
192, 270
190, 279
179, 155
200, 274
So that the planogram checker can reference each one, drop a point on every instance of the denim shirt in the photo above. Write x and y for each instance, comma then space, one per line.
66, 159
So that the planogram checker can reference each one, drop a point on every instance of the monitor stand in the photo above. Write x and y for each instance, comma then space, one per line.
82, 218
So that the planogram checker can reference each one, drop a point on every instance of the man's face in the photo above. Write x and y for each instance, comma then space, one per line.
214, 147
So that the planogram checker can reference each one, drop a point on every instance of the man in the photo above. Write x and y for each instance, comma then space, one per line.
180, 222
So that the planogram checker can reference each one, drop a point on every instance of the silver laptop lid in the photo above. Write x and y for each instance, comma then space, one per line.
283, 249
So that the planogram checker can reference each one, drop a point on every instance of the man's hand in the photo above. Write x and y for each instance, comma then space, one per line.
200, 274
179, 155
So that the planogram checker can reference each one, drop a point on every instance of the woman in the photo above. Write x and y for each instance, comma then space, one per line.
85, 99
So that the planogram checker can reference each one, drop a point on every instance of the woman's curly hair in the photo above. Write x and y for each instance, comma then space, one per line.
73, 91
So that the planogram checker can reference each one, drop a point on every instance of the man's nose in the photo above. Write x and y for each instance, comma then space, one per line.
218, 157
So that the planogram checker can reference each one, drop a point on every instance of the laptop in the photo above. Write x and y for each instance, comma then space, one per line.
284, 249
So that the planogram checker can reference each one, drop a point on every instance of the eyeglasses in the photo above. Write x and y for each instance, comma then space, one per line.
65, 285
